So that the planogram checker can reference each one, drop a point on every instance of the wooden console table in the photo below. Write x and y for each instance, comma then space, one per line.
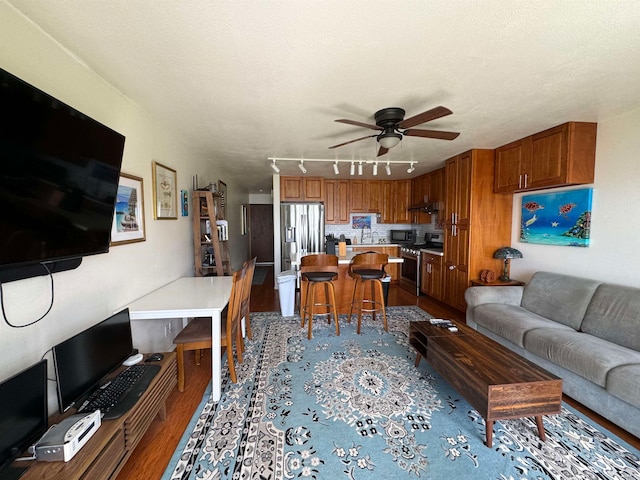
112, 444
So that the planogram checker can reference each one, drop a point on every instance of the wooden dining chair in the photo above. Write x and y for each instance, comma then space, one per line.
197, 334
250, 266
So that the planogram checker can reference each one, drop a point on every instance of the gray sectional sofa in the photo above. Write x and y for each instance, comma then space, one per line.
584, 331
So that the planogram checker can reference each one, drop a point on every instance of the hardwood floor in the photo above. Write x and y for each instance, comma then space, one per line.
152, 455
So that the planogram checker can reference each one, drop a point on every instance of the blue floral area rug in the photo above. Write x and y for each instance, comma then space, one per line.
355, 407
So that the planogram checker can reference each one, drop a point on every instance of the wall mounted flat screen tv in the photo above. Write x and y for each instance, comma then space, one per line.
59, 172
23, 414
86, 358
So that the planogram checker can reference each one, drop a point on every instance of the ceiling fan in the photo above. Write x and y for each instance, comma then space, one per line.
393, 125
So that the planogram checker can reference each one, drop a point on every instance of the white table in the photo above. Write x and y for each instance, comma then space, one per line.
189, 297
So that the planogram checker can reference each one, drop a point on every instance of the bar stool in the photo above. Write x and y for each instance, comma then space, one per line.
368, 268
317, 270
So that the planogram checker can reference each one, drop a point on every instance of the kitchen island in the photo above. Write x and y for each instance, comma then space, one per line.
343, 284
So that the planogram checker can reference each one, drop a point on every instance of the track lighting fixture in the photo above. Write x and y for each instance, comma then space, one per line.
336, 167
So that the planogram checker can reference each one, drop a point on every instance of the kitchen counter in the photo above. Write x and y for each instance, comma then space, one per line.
346, 260
432, 252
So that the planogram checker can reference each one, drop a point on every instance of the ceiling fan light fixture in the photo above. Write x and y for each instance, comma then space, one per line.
352, 169
389, 139
375, 169
275, 167
411, 169
301, 167
388, 168
335, 169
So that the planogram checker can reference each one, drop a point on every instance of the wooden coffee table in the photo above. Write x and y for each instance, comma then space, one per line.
497, 382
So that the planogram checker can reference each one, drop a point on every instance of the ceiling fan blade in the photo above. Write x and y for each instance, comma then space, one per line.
359, 124
351, 141
425, 117
431, 134
382, 151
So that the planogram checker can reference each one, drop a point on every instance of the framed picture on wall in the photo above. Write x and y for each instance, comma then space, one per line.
128, 218
165, 193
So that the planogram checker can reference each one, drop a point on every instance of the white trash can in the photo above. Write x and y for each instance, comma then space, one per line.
287, 291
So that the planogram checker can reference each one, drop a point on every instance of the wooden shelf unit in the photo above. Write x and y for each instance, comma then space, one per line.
207, 207
111, 445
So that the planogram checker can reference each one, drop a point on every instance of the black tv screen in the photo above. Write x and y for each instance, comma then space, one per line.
59, 172
23, 407
84, 359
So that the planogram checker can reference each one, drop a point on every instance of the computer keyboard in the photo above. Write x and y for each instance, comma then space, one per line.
118, 396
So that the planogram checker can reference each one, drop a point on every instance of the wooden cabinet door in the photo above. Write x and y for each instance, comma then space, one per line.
456, 267
432, 276
313, 189
436, 188
291, 189
388, 204
510, 160
330, 207
548, 159
403, 192
342, 201
357, 198
374, 196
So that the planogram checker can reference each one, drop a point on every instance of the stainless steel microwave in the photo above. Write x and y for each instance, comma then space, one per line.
403, 236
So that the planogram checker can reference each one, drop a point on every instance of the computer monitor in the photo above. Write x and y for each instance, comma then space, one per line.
84, 359
23, 414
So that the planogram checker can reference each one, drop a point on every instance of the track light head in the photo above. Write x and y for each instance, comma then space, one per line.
301, 167
375, 169
411, 169
335, 169
352, 169
388, 168
360, 168
275, 167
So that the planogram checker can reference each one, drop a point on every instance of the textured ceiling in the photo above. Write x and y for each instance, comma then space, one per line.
247, 80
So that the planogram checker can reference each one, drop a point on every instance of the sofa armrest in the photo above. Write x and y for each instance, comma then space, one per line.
475, 296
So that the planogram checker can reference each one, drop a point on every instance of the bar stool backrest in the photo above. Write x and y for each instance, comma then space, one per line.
368, 261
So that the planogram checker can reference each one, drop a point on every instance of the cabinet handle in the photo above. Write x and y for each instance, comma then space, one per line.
520, 181
526, 180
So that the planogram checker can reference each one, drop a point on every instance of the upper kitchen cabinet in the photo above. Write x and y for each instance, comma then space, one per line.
396, 194
336, 201
560, 156
374, 195
358, 200
301, 189
427, 196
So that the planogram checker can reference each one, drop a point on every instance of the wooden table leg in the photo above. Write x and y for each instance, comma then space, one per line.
489, 432
540, 427
418, 358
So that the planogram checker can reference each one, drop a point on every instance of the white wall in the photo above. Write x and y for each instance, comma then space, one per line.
105, 282
615, 223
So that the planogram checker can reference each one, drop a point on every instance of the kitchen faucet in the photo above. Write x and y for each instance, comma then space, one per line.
362, 235
373, 236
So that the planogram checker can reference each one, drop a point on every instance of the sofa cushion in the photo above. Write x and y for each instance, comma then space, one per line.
588, 356
614, 315
559, 297
511, 322
624, 383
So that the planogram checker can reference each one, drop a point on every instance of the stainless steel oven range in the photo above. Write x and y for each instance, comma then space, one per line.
410, 271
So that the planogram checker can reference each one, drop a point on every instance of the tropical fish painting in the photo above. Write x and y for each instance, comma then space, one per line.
559, 218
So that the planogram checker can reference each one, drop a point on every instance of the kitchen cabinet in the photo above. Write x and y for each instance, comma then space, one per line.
336, 209
429, 187
357, 198
301, 189
477, 222
373, 193
397, 197
560, 156
431, 276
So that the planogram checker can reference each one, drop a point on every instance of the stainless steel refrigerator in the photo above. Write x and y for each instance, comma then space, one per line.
301, 230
